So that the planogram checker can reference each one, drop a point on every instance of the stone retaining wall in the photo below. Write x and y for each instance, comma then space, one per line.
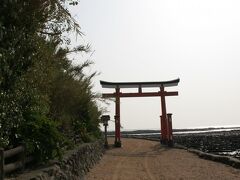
75, 164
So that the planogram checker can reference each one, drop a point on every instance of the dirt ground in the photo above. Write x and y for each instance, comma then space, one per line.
147, 160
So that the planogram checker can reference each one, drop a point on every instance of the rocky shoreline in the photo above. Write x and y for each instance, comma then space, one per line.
224, 143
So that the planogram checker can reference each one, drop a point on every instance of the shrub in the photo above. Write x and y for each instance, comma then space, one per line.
42, 137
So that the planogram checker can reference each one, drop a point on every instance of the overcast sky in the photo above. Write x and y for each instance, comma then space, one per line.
157, 40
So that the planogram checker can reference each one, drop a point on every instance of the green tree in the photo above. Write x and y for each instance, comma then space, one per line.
42, 95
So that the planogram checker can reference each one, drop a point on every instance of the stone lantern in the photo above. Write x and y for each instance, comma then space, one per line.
104, 120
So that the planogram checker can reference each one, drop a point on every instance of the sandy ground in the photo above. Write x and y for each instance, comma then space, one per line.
147, 160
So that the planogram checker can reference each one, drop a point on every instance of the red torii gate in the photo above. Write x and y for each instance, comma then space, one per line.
166, 119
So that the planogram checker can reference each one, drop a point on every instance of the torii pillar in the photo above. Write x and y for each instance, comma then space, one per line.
117, 119
163, 117
166, 121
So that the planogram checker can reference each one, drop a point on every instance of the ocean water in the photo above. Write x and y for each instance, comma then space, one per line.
222, 129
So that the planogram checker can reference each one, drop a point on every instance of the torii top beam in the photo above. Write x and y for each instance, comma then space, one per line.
139, 84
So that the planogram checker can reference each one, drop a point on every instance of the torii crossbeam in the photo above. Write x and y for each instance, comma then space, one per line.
166, 120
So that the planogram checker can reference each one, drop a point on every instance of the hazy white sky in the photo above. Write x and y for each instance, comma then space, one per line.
155, 40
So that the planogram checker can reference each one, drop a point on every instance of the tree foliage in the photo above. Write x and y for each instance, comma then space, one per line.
45, 100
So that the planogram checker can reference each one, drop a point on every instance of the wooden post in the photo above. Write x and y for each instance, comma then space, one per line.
167, 130
170, 135
161, 136
23, 156
117, 119
1, 163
